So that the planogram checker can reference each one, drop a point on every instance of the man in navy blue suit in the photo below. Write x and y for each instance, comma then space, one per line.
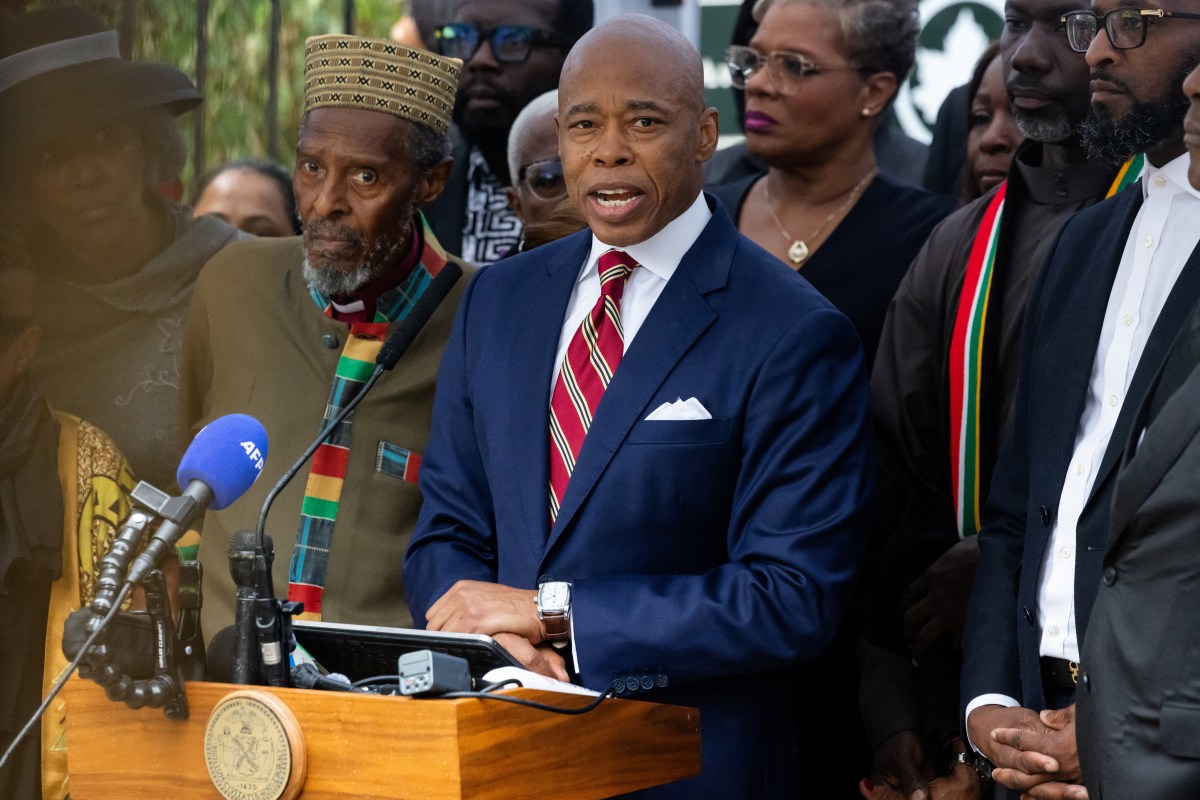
705, 532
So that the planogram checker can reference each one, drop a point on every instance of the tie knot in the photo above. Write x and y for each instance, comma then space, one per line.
615, 265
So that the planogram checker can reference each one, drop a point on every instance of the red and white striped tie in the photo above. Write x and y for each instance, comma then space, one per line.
592, 358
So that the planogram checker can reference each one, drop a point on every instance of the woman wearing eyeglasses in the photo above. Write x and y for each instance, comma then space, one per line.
817, 75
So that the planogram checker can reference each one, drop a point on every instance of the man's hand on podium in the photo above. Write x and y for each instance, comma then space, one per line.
506, 614
542, 659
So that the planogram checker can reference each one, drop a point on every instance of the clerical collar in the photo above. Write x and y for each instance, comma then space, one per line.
363, 305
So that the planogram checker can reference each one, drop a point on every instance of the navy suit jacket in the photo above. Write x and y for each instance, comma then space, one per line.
706, 555
1062, 329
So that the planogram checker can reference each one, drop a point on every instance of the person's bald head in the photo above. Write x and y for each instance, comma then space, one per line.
676, 61
634, 133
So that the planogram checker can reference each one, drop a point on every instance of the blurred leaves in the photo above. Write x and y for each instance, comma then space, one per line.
237, 85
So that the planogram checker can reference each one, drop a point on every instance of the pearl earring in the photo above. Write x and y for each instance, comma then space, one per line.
866, 112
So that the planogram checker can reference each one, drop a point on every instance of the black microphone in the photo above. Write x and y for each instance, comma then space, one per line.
268, 622
420, 313
388, 355
247, 667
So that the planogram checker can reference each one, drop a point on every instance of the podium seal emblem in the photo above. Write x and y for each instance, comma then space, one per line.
254, 749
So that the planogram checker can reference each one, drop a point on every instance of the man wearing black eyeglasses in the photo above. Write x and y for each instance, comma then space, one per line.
1117, 288
513, 51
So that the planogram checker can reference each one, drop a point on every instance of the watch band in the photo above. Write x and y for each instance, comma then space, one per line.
558, 628
982, 767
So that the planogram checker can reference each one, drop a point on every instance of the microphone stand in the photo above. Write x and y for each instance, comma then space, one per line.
166, 689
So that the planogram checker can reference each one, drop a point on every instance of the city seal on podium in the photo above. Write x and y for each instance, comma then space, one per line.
254, 748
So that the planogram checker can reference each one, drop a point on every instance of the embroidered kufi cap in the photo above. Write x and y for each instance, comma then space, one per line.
62, 67
379, 75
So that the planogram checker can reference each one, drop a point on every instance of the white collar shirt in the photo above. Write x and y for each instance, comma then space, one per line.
1163, 236
657, 258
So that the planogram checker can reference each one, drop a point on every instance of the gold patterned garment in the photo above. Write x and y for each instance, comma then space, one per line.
96, 482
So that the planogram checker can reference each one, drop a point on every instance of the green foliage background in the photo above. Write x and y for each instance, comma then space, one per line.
234, 114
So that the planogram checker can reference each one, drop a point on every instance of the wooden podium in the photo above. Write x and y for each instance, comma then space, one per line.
367, 746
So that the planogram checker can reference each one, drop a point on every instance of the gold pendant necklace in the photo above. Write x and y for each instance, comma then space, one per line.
799, 251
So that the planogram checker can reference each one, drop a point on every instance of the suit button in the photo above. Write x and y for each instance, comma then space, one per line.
1044, 513
1110, 576
661, 681
618, 685
1087, 682
647, 682
330, 341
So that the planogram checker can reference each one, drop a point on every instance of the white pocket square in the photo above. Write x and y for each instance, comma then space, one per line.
680, 410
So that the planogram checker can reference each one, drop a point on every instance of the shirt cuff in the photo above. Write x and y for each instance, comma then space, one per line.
574, 650
987, 700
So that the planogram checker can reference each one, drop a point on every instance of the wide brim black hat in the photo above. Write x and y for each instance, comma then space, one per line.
42, 91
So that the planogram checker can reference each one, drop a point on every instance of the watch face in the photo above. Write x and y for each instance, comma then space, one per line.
555, 595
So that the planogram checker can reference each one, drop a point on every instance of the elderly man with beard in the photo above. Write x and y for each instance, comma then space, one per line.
1120, 281
287, 330
513, 51
924, 571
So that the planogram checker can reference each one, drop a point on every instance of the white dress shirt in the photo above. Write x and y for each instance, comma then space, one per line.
657, 258
1163, 236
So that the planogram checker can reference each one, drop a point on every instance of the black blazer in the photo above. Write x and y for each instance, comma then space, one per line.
1138, 722
1062, 328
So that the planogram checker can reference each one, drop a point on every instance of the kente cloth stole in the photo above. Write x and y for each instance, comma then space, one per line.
326, 476
593, 355
966, 354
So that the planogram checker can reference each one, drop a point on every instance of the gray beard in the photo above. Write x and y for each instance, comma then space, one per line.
333, 282
1044, 130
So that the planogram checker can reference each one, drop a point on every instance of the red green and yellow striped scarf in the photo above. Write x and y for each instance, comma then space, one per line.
326, 477
966, 354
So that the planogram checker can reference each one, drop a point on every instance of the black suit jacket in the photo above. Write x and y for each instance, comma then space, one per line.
1138, 725
1062, 328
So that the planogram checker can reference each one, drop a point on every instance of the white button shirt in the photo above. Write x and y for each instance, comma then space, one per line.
657, 259
1163, 236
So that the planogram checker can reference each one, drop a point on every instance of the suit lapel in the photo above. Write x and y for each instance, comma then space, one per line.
1169, 435
536, 325
1180, 302
677, 319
